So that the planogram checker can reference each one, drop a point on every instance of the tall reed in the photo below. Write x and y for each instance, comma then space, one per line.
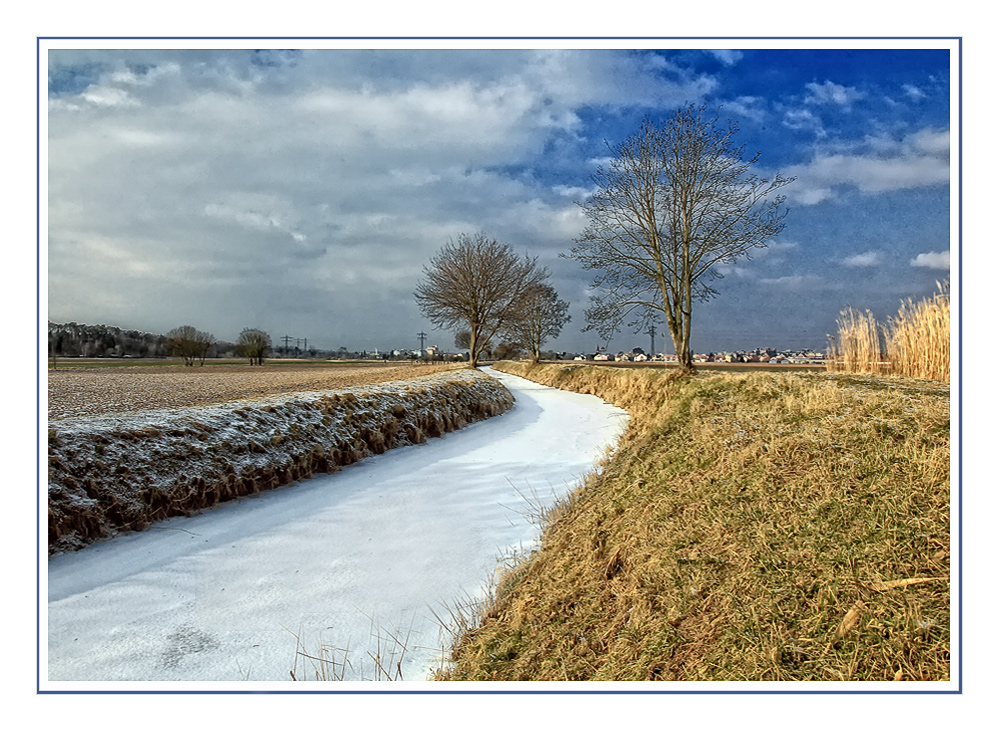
859, 345
919, 338
917, 342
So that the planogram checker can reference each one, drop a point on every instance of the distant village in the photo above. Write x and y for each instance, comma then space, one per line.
638, 355
68, 340
758, 355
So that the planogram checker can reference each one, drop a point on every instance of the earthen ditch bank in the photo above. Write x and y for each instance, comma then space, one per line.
123, 473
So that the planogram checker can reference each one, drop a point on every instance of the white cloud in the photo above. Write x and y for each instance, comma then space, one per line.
931, 142
268, 187
109, 97
830, 93
746, 107
795, 283
776, 252
733, 270
803, 120
866, 259
932, 260
875, 166
726, 56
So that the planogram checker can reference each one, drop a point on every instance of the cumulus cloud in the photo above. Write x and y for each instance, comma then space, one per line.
726, 56
794, 283
303, 173
865, 259
803, 120
831, 93
875, 166
776, 252
747, 107
932, 260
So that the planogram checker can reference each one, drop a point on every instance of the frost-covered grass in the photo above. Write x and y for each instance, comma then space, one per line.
125, 471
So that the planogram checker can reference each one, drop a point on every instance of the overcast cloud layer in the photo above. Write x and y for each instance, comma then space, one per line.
302, 191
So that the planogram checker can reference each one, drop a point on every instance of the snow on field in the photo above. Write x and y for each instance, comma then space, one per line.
354, 569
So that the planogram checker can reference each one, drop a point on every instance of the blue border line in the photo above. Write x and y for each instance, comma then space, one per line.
527, 692
961, 656
503, 38
38, 362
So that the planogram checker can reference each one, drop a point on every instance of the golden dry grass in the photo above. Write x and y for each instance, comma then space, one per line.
749, 527
99, 391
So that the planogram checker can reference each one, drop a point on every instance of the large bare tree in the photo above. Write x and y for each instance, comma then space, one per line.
476, 283
541, 316
676, 200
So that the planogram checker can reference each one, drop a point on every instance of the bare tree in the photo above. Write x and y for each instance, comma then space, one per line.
205, 343
254, 344
541, 316
189, 343
476, 283
676, 200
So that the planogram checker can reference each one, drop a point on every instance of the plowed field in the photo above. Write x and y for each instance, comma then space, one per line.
74, 393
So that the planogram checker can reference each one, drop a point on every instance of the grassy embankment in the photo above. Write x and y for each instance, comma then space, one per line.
749, 527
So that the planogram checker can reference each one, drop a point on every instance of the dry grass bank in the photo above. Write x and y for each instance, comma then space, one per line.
750, 527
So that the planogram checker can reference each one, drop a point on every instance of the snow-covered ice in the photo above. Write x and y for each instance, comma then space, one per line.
333, 567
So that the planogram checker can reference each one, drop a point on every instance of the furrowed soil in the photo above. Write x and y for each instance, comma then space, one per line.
87, 392
749, 527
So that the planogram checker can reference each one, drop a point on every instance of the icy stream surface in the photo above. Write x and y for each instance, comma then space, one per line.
334, 567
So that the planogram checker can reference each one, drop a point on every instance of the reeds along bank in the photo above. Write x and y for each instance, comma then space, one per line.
916, 342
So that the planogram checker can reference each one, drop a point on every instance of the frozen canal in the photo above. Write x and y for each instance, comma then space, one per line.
338, 567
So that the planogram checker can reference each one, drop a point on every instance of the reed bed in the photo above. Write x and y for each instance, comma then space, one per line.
916, 343
919, 338
859, 347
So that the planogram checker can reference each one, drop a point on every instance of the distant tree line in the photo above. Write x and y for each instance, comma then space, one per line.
73, 340
103, 341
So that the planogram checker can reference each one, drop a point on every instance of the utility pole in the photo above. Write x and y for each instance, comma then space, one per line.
652, 340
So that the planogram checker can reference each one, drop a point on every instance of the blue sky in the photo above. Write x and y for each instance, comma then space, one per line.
303, 190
